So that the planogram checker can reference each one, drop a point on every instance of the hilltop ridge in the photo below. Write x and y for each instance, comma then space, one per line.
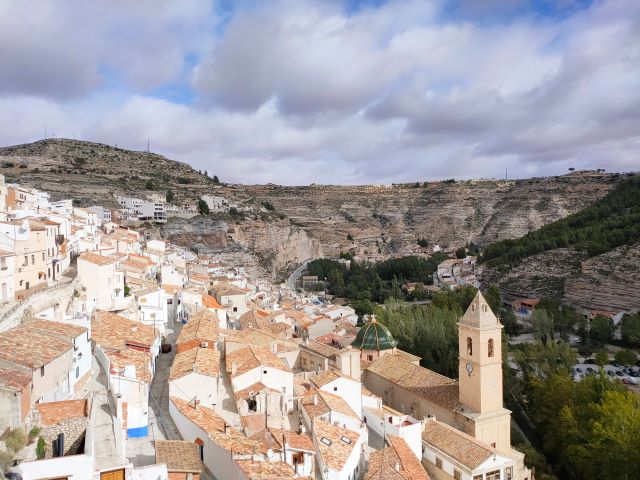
373, 221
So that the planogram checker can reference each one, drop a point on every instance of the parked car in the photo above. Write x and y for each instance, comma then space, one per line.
590, 370
578, 369
610, 373
590, 361
620, 373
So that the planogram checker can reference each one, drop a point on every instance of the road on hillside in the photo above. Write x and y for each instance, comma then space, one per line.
293, 278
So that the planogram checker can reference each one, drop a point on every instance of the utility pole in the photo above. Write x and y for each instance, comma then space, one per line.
148, 145
45, 132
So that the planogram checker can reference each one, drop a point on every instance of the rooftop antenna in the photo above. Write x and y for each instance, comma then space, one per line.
147, 144
45, 132
506, 173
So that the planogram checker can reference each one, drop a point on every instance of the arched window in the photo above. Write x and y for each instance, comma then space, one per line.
200, 444
491, 347
469, 346
473, 307
484, 308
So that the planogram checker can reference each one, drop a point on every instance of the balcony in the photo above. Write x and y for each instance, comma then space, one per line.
59, 239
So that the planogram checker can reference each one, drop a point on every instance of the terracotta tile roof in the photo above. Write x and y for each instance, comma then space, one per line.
252, 319
250, 357
97, 259
423, 382
52, 413
202, 326
227, 290
127, 357
383, 463
253, 389
321, 349
14, 377
266, 470
456, 444
171, 289
64, 330
116, 332
296, 441
341, 443
179, 456
317, 402
131, 264
325, 377
30, 347
140, 258
259, 338
210, 302
205, 361
203, 417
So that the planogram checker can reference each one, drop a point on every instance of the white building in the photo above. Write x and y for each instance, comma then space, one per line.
195, 374
102, 282
340, 451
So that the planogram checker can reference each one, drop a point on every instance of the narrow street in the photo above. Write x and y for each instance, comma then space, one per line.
141, 451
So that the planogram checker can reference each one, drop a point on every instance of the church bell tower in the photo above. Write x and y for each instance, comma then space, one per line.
480, 374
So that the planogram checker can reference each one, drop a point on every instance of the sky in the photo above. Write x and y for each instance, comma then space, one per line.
332, 91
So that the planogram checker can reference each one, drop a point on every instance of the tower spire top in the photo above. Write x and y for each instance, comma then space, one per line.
479, 314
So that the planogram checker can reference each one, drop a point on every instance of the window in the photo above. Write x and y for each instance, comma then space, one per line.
370, 358
335, 389
42, 371
490, 349
43, 257
493, 444
469, 346
494, 475
477, 477
508, 473
326, 441
457, 475
264, 371
438, 462
33, 259
77, 372
201, 451
346, 440
484, 308
26, 260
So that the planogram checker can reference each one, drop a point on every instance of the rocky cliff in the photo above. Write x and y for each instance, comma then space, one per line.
304, 222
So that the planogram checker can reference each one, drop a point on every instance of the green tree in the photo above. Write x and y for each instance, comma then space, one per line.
169, 196
541, 360
510, 322
602, 358
543, 326
149, 185
601, 330
614, 440
40, 448
626, 357
630, 329
461, 252
16, 439
216, 180
349, 237
203, 208
494, 298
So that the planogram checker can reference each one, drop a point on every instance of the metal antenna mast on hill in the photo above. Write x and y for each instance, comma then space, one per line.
148, 145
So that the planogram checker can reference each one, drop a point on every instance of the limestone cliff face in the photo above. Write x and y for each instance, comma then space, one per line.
200, 234
610, 281
278, 246
392, 218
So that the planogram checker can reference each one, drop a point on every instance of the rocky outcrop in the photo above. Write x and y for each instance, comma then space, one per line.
610, 281
279, 247
199, 234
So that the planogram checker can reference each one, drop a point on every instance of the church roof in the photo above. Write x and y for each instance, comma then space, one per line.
374, 336
479, 313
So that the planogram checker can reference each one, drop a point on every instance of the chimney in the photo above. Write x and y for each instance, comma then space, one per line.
315, 399
234, 368
225, 428
134, 328
397, 467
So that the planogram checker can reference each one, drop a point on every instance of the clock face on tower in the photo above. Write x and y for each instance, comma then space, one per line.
469, 368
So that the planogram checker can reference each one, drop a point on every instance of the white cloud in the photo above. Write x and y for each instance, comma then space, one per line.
300, 92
